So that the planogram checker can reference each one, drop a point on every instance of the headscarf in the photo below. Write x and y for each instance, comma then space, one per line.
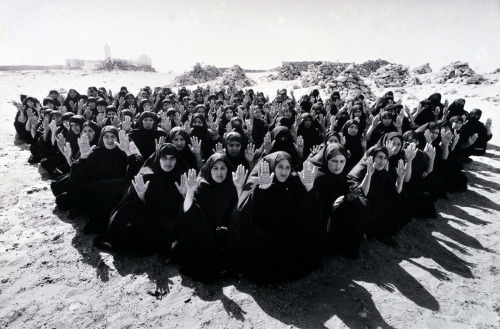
108, 129
186, 152
152, 164
205, 172
321, 158
95, 128
240, 158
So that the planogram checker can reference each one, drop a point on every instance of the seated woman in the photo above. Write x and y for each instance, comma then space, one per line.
147, 133
385, 209
146, 218
311, 131
235, 153
382, 124
341, 215
100, 177
354, 142
199, 129
278, 223
281, 139
204, 246
190, 152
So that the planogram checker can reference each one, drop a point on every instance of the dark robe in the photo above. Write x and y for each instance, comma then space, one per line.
277, 229
145, 139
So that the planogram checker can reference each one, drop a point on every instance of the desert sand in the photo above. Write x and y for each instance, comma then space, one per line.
445, 274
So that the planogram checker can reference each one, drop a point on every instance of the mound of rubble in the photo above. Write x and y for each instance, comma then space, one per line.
392, 75
320, 75
368, 67
286, 72
198, 74
423, 69
236, 76
458, 72
122, 65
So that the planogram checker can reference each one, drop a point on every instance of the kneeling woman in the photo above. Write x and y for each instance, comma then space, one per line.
204, 244
386, 210
146, 219
278, 224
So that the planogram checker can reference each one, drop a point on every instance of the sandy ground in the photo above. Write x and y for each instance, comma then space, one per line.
446, 274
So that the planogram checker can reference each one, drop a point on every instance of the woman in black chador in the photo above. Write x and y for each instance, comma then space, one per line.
205, 246
278, 224
146, 219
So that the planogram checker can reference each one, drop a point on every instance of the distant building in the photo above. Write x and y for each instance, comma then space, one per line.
144, 60
82, 64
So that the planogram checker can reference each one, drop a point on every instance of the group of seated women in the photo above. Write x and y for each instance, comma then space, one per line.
234, 180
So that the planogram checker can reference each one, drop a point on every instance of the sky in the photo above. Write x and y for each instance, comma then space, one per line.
258, 34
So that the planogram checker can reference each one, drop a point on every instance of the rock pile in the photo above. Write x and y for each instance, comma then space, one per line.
392, 75
349, 84
198, 74
320, 75
458, 72
287, 71
236, 76
368, 67
426, 68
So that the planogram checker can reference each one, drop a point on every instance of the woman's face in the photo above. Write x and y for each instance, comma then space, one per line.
257, 114
457, 125
148, 123
386, 121
353, 130
167, 162
229, 114
287, 113
307, 123
30, 103
190, 108
197, 122
201, 111
233, 148
111, 114
130, 100
57, 118
75, 127
109, 140
333, 139
336, 164
219, 171
282, 170
72, 93
396, 142
50, 105
380, 160
65, 123
434, 134
179, 142
101, 108
87, 130
357, 113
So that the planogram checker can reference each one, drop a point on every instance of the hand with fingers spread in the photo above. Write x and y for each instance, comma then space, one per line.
159, 142
307, 175
401, 169
299, 146
315, 149
140, 187
265, 177
195, 145
115, 122
124, 143
410, 152
428, 136
100, 119
430, 151
53, 127
219, 148
181, 186
342, 139
84, 145
370, 166
127, 123
391, 147
399, 122
472, 139
66, 151
446, 137
239, 177
250, 152
191, 182
436, 111
229, 127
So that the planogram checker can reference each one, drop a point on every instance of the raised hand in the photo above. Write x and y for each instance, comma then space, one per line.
140, 187
84, 145
446, 137
53, 126
265, 178
115, 121
191, 181
299, 146
239, 176
159, 142
165, 123
436, 111
124, 143
399, 121
473, 138
229, 127
127, 123
182, 185
46, 124
61, 141
315, 149
427, 135
219, 148
66, 151
195, 145
445, 112
430, 151
307, 175
342, 139
401, 169
410, 152
267, 142
177, 119
390, 147
250, 152
456, 138
370, 166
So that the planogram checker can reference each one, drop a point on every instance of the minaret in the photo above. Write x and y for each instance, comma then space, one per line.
107, 53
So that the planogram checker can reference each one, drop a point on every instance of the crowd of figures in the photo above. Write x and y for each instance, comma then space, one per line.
236, 181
